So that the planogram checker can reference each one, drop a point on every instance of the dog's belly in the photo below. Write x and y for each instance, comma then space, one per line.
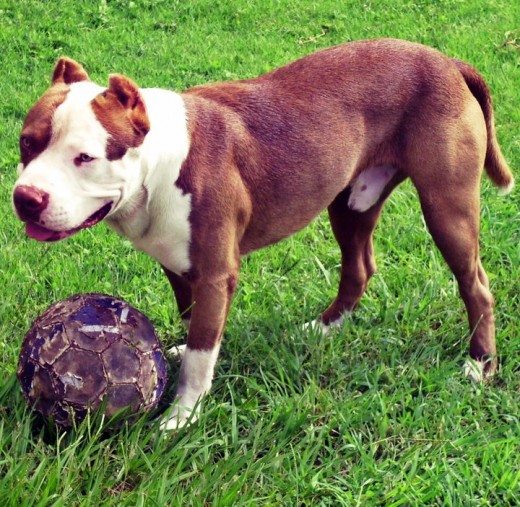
285, 216
260, 236
272, 225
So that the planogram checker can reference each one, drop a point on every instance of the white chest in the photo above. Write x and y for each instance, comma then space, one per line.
168, 234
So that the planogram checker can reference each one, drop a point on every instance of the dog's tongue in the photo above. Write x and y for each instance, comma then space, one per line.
40, 233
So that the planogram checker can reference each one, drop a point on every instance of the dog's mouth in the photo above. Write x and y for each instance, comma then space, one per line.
40, 233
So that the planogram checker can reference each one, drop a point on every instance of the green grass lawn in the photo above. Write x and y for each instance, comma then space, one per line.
380, 414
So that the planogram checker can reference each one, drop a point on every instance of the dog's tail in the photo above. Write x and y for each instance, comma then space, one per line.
495, 163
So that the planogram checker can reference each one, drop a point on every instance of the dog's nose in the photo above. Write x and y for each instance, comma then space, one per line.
29, 202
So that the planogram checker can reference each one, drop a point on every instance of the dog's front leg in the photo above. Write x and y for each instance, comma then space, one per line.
211, 300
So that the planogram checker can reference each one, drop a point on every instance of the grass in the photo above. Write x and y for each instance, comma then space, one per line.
378, 415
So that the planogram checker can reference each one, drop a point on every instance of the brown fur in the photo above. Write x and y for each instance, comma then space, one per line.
495, 163
122, 113
68, 71
268, 154
37, 128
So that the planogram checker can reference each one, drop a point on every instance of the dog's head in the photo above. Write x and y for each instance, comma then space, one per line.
79, 146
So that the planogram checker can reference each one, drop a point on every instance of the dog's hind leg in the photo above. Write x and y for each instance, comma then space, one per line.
449, 191
451, 161
453, 221
353, 231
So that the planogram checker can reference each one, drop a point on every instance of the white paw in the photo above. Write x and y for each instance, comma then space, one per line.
318, 326
195, 376
177, 351
474, 370
179, 417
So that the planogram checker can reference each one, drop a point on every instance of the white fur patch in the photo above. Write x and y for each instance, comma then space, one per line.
160, 225
74, 124
168, 240
195, 380
318, 326
474, 370
369, 186
507, 189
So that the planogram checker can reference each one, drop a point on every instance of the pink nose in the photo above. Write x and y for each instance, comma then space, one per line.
29, 202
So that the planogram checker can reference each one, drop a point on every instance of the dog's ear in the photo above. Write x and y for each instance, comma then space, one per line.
129, 96
68, 71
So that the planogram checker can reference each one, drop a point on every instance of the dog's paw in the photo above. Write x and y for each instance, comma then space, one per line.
479, 371
178, 418
475, 371
177, 351
318, 326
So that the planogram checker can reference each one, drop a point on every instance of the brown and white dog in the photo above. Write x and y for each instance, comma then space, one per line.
201, 178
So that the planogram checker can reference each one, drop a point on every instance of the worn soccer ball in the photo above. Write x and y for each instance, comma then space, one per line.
87, 351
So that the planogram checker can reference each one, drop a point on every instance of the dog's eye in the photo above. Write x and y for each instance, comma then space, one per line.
83, 158
86, 158
25, 142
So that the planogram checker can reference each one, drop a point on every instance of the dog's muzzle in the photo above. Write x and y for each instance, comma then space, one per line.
30, 202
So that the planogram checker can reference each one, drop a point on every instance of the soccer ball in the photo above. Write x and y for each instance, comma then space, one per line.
87, 351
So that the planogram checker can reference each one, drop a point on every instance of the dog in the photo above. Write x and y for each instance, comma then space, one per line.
201, 178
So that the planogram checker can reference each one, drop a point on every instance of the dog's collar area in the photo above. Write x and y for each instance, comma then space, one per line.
40, 233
